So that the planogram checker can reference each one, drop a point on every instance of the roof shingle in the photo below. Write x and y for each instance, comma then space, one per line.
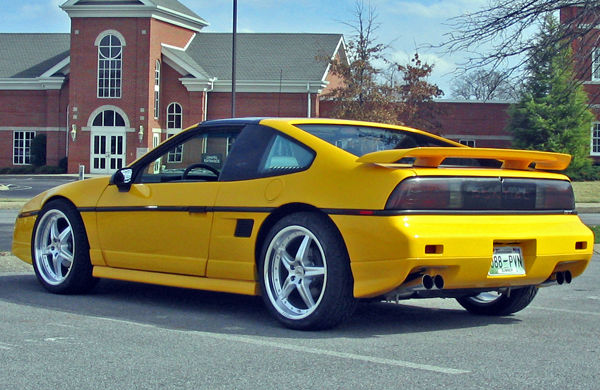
263, 56
31, 55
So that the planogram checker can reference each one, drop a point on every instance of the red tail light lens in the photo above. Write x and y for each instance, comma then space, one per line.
481, 193
420, 194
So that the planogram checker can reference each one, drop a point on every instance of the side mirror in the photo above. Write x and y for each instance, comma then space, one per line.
122, 179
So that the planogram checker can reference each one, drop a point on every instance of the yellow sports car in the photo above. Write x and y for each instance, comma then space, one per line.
314, 214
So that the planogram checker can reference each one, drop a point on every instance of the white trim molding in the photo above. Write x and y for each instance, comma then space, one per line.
270, 86
100, 109
63, 66
33, 128
145, 10
110, 32
594, 124
31, 84
341, 44
176, 59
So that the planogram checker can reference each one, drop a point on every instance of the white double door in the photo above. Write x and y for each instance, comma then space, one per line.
108, 150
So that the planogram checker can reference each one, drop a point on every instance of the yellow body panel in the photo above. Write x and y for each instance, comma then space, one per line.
385, 250
146, 234
140, 234
433, 157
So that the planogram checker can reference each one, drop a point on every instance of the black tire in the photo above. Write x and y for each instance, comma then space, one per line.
501, 304
60, 250
314, 282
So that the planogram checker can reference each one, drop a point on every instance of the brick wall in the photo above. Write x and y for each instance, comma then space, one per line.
258, 104
35, 111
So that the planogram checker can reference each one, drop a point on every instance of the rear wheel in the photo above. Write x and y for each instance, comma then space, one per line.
499, 304
60, 250
305, 273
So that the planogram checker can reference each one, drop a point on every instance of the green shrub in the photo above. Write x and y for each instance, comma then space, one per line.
31, 170
19, 170
587, 173
63, 163
38, 150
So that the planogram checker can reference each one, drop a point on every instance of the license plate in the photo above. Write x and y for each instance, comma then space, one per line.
507, 260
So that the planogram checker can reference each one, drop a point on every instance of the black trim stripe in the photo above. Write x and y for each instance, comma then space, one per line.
388, 213
189, 209
358, 212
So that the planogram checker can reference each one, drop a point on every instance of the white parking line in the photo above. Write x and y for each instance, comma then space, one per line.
587, 313
316, 351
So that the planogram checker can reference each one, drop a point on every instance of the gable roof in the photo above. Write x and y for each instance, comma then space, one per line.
31, 55
265, 56
172, 11
265, 62
176, 6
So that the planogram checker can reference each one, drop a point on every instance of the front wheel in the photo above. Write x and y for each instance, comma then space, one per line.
60, 250
499, 304
305, 273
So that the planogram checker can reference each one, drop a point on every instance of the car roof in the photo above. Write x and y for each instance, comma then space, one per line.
318, 121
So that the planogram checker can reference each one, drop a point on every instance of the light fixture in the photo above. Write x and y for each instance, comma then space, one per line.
141, 133
73, 132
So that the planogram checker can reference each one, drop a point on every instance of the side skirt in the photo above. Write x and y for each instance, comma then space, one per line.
183, 281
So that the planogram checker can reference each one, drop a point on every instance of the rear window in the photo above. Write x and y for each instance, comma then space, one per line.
360, 140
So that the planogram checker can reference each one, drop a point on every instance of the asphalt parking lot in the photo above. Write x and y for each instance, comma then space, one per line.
127, 335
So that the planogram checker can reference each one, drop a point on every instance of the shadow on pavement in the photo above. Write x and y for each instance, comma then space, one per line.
182, 309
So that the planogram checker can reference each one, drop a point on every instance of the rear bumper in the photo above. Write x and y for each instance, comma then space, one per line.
384, 251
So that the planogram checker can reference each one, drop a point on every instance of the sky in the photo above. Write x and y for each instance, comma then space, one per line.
405, 26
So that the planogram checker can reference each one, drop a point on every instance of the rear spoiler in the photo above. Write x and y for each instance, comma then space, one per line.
432, 157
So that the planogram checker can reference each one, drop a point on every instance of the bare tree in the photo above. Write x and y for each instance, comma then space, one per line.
504, 27
482, 84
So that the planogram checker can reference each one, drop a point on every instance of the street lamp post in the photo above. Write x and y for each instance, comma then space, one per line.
233, 58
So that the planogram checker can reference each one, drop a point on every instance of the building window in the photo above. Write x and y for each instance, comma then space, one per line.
110, 63
174, 121
156, 89
595, 143
109, 118
468, 142
22, 147
174, 116
596, 64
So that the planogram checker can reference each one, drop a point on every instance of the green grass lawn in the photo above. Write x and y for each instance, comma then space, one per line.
587, 191
596, 230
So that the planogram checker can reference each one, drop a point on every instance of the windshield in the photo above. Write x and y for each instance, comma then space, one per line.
360, 140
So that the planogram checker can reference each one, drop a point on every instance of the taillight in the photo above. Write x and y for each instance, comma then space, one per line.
418, 194
481, 193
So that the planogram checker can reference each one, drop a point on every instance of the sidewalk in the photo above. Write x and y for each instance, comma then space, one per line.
588, 208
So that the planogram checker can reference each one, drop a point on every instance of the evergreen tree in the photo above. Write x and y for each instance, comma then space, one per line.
552, 113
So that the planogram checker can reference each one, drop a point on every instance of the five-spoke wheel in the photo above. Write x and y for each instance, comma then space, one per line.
305, 274
60, 249
54, 247
296, 272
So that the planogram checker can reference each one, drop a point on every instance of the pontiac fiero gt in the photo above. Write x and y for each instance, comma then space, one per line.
314, 214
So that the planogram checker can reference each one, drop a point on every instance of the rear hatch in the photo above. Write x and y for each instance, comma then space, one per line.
444, 183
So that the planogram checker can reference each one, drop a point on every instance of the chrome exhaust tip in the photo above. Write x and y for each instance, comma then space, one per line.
438, 281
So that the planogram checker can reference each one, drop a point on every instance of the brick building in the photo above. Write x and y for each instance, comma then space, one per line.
133, 72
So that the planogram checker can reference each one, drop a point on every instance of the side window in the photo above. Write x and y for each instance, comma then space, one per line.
199, 157
261, 151
285, 156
